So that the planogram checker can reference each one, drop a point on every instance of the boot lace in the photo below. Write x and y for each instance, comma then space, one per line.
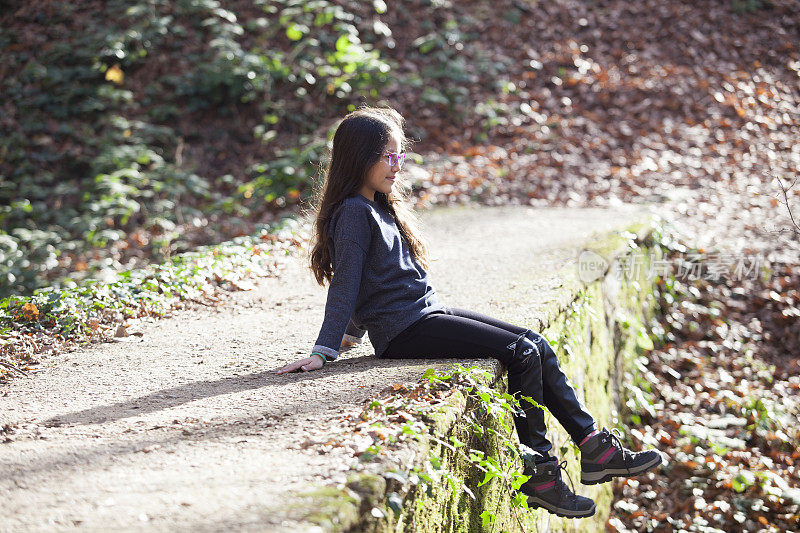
563, 490
627, 455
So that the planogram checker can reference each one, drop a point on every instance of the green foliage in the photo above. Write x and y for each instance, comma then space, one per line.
747, 6
78, 173
447, 63
56, 199
77, 312
487, 518
500, 464
103, 102
287, 174
301, 50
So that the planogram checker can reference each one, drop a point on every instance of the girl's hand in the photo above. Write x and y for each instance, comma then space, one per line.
346, 344
309, 363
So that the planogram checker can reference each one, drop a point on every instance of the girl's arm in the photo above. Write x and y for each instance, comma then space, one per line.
351, 240
342, 295
341, 302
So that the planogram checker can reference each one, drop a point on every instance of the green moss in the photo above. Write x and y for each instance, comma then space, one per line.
445, 417
331, 508
370, 487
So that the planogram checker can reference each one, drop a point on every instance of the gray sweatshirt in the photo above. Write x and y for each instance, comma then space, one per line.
377, 285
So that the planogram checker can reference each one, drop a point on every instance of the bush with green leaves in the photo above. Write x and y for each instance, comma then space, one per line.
129, 118
87, 158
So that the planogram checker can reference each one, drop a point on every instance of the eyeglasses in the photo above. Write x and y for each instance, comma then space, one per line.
396, 159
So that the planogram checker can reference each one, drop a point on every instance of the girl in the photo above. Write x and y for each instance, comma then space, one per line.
368, 247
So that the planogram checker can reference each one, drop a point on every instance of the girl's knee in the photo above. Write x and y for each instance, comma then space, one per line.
525, 364
535, 337
541, 343
524, 355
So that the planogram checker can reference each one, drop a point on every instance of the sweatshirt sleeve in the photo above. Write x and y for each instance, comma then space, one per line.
351, 240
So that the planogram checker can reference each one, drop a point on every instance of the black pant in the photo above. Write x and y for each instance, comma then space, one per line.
459, 333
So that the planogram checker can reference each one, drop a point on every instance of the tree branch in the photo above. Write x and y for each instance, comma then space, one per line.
785, 190
12, 367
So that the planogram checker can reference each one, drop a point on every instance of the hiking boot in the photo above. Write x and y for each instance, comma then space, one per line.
603, 458
545, 489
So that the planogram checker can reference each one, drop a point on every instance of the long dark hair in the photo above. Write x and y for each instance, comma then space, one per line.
358, 143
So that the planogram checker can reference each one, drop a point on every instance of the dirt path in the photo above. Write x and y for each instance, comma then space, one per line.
188, 428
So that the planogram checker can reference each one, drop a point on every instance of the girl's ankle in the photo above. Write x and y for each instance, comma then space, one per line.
587, 437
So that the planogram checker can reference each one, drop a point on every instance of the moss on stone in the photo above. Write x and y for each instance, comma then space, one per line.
331, 508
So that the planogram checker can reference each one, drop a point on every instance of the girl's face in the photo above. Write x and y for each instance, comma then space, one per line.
381, 176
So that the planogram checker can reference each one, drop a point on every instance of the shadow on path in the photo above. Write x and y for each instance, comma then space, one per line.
101, 455
175, 396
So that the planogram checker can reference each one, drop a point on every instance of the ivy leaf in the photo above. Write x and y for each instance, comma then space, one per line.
295, 32
343, 43
395, 503
487, 478
520, 500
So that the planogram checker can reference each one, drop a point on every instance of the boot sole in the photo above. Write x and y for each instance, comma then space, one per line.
536, 503
602, 476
